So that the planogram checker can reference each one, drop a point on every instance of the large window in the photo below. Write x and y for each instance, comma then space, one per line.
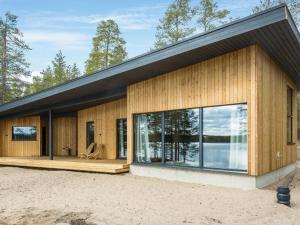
122, 138
212, 137
225, 137
289, 115
182, 137
24, 133
148, 138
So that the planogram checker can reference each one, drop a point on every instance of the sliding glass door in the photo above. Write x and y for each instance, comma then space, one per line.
212, 137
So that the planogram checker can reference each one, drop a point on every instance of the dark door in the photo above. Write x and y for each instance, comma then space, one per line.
44, 142
90, 130
122, 138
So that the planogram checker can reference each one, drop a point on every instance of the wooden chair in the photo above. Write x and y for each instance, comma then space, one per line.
88, 151
96, 153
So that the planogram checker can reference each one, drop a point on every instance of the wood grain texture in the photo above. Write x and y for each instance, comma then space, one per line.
249, 76
64, 135
105, 117
19, 148
222, 80
272, 83
68, 163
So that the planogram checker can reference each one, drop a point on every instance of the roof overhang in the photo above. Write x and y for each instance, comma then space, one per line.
274, 30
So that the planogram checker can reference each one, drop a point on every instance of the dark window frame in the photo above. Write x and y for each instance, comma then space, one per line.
87, 129
162, 163
12, 134
290, 116
118, 138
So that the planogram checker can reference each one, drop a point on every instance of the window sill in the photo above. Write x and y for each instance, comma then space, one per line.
291, 143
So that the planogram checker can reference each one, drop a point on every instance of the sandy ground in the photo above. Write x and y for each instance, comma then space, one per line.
60, 197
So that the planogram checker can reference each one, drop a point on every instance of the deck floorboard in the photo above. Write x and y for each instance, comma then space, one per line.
68, 163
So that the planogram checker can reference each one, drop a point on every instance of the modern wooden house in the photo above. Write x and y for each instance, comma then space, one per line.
218, 108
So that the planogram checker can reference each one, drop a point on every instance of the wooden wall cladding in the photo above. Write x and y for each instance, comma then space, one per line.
19, 148
235, 77
64, 135
272, 83
104, 117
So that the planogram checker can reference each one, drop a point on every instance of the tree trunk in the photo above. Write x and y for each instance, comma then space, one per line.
107, 51
4, 67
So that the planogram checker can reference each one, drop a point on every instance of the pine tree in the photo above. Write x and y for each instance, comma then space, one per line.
108, 47
209, 16
73, 71
175, 24
60, 69
13, 66
58, 73
293, 5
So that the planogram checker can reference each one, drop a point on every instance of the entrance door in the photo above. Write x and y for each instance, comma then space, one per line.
122, 138
44, 141
90, 131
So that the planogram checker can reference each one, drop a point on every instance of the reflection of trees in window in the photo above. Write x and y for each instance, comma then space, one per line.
223, 137
23, 133
148, 141
182, 136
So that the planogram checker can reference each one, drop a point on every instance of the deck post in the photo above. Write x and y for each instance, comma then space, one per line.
50, 140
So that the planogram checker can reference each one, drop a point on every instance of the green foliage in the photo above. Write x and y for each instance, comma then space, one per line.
108, 47
175, 24
58, 73
209, 16
293, 5
13, 66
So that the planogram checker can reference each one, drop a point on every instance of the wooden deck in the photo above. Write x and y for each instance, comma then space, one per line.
68, 163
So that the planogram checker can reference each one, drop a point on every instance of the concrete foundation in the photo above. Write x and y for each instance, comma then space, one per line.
216, 178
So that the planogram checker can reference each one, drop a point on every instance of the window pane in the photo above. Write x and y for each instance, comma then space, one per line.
182, 137
225, 137
289, 115
122, 138
24, 133
90, 137
148, 143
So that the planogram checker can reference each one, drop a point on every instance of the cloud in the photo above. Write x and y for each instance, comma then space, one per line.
59, 39
141, 18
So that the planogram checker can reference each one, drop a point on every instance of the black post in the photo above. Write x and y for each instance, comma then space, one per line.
50, 141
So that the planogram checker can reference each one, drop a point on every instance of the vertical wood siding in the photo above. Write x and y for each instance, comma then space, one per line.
104, 117
273, 150
64, 135
236, 77
19, 148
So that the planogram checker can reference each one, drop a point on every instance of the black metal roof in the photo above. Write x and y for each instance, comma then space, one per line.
274, 30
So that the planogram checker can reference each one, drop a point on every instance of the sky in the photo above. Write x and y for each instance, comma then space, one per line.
69, 25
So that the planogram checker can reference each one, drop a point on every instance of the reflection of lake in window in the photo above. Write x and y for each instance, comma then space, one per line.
225, 137
24, 133
212, 137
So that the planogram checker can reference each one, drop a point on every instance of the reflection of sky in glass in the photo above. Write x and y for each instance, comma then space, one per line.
24, 130
225, 120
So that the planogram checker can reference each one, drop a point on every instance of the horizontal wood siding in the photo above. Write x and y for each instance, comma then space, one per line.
222, 80
105, 117
64, 135
273, 150
19, 148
